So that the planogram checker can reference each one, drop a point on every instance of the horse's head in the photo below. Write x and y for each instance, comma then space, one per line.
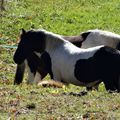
30, 41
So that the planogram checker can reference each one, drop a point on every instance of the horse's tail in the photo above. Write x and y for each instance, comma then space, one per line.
19, 73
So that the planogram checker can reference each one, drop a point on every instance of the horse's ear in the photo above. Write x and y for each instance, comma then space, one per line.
23, 31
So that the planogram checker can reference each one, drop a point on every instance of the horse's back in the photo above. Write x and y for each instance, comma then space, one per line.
100, 37
64, 60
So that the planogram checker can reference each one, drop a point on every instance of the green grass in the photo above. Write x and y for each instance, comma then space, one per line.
67, 17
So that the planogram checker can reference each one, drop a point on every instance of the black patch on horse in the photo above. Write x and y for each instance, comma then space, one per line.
45, 57
85, 35
35, 39
85, 70
118, 46
108, 64
104, 66
41, 65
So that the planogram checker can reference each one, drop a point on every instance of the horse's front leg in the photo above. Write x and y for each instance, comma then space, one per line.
38, 77
31, 76
19, 73
34, 78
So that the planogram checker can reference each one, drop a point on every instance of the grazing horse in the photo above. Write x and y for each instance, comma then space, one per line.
97, 37
70, 64
39, 67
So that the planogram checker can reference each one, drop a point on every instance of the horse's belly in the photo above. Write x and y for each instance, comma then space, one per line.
89, 84
68, 76
76, 82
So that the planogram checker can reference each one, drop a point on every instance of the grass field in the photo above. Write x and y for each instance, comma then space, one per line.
67, 17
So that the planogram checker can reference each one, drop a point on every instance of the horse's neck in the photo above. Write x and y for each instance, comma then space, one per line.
53, 42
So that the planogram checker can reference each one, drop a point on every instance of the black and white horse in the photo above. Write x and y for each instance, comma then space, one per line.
70, 64
38, 70
39, 67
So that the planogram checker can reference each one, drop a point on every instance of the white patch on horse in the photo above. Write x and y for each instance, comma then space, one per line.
101, 37
38, 54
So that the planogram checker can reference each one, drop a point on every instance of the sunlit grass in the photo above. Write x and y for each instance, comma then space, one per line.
67, 17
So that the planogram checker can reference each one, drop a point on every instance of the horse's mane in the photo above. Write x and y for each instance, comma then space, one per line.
53, 37
53, 40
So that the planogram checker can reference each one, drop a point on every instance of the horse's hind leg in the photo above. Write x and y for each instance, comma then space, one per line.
92, 88
19, 73
119, 84
111, 84
95, 87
